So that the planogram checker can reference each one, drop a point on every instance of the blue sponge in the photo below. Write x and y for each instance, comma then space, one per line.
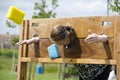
53, 51
39, 69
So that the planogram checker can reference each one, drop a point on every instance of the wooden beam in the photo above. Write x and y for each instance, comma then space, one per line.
70, 60
22, 66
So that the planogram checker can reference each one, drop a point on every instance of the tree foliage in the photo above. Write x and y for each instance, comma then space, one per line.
10, 24
114, 5
44, 10
14, 40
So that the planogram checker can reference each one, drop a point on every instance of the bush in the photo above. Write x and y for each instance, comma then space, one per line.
8, 53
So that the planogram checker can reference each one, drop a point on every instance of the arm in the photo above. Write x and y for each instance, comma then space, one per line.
29, 41
92, 37
112, 75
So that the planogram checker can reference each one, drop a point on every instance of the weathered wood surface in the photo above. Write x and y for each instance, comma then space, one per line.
80, 52
22, 66
70, 60
80, 49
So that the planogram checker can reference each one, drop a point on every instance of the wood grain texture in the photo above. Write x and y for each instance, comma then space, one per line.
80, 52
79, 49
22, 66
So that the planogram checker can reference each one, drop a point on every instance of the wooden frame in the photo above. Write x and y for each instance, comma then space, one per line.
83, 53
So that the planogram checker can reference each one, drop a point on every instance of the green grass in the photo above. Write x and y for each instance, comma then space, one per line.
6, 72
7, 75
46, 76
6, 63
10, 75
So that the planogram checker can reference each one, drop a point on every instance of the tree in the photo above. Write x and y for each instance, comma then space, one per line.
13, 40
43, 10
10, 24
114, 6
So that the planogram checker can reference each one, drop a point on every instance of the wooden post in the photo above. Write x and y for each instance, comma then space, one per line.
63, 71
59, 70
118, 46
22, 66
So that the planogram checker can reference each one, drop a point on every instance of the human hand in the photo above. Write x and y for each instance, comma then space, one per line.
29, 41
22, 42
92, 37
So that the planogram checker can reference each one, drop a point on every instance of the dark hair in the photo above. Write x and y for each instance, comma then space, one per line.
64, 34
58, 33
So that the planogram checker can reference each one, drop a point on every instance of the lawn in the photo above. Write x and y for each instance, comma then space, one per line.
8, 73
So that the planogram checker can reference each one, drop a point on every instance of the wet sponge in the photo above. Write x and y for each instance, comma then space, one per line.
15, 14
53, 51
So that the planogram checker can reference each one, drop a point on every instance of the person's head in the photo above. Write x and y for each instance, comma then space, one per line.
60, 35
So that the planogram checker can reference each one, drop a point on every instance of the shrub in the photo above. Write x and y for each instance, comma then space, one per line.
8, 53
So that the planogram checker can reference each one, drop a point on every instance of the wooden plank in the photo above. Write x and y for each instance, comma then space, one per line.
22, 67
80, 24
80, 48
117, 43
118, 62
23, 72
20, 52
118, 66
26, 32
70, 60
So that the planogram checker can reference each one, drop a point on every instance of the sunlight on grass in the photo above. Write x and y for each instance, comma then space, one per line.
7, 75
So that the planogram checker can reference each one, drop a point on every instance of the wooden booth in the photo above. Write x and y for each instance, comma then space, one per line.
81, 52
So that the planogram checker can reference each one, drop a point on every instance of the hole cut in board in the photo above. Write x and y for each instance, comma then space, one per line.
35, 24
35, 35
106, 23
36, 47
